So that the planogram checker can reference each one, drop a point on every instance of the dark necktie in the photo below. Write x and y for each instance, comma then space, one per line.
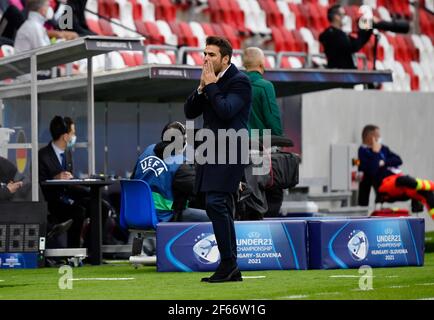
62, 155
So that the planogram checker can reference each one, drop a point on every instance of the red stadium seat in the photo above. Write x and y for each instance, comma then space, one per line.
93, 25
106, 27
150, 30
185, 36
274, 16
129, 59
414, 79
164, 10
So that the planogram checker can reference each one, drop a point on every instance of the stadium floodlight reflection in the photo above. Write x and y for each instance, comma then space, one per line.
61, 53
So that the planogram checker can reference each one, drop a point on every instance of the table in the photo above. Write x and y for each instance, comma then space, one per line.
95, 211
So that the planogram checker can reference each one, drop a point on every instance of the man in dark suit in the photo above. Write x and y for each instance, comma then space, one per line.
224, 99
55, 163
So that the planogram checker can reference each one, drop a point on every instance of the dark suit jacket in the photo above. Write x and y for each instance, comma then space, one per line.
7, 174
49, 166
224, 105
7, 170
339, 47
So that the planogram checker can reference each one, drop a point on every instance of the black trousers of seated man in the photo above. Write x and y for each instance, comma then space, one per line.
220, 210
61, 212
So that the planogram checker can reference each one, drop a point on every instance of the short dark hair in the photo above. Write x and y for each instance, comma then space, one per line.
368, 129
332, 11
223, 44
59, 126
173, 125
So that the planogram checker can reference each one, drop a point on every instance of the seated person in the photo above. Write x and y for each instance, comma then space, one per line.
8, 187
171, 183
380, 169
55, 163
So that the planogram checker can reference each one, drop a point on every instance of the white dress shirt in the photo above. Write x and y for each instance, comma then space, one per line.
58, 152
32, 34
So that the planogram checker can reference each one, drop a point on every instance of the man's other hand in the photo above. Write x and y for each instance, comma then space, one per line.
64, 175
14, 186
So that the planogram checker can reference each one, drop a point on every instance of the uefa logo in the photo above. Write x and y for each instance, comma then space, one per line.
358, 245
205, 250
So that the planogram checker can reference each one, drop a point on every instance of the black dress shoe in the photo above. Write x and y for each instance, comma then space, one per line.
234, 275
60, 228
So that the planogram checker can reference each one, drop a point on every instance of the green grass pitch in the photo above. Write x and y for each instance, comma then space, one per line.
96, 282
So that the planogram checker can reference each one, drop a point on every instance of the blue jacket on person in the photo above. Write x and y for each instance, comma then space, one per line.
224, 105
370, 163
159, 174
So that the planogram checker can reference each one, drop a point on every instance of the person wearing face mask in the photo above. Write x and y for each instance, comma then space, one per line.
380, 167
55, 163
338, 46
170, 178
32, 33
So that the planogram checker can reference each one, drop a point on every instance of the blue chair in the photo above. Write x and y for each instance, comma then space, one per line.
138, 215
137, 206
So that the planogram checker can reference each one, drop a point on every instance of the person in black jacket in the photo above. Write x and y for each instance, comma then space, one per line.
55, 163
10, 22
79, 23
338, 46
224, 99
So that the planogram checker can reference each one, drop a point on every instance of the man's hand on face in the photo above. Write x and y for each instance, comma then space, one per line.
64, 175
376, 146
208, 74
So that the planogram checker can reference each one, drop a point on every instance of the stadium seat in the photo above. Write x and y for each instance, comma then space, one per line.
255, 18
273, 15
6, 51
150, 30
115, 61
137, 206
147, 10
169, 37
199, 33
164, 10
137, 214
106, 27
128, 57
288, 16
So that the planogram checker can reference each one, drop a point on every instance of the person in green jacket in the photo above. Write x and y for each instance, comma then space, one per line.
265, 113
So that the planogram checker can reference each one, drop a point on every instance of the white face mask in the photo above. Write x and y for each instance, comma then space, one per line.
72, 142
49, 14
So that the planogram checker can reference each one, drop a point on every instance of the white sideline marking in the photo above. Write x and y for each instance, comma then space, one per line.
431, 298
349, 276
328, 293
102, 279
392, 277
300, 296
1, 280
425, 284
253, 277
398, 287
